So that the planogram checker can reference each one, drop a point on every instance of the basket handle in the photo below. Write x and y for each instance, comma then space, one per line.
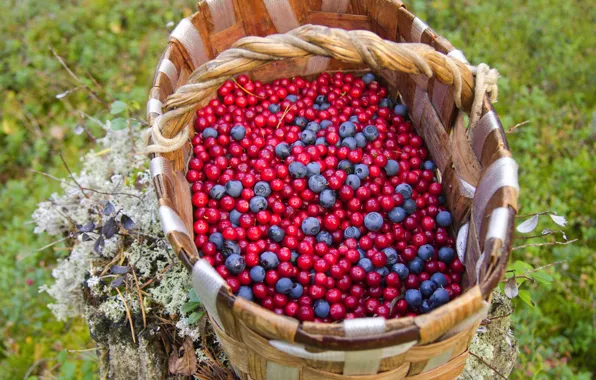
169, 133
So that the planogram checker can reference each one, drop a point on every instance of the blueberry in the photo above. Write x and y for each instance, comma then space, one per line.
426, 252
235, 217
349, 142
238, 132
391, 255
313, 126
296, 290
410, 206
321, 99
324, 106
274, 108
391, 168
217, 239
217, 192
368, 78
416, 265
262, 189
283, 285
321, 308
426, 307
308, 137
316, 107
297, 170
301, 122
257, 274
366, 264
346, 166
439, 297
297, 143
442, 199
311, 226
317, 183
235, 264
351, 232
326, 123
324, 237
370, 132
413, 298
386, 103
439, 279
291, 98
446, 255
361, 170
313, 168
405, 190
401, 270
257, 204
383, 271
276, 234
361, 253
401, 110
321, 141
327, 198
269, 260
354, 119
353, 181
429, 165
294, 257
234, 188
282, 150
444, 218
246, 293
209, 132
347, 129
360, 140
373, 221
427, 288
397, 215
230, 247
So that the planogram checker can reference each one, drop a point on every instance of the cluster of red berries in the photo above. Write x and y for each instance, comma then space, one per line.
317, 200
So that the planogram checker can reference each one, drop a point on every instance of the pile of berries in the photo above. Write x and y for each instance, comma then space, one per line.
317, 200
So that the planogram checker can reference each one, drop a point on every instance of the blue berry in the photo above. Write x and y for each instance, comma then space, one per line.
301, 122
346, 166
321, 99
373, 221
427, 288
324, 106
324, 237
361, 253
410, 206
368, 78
391, 168
397, 215
209, 132
269, 260
347, 129
444, 219
317, 183
257, 204
313, 126
391, 255
257, 273
360, 140
405, 190
274, 108
296, 290
282, 150
276, 234
238, 132
426, 252
413, 298
353, 181
350, 142
442, 199
327, 198
297, 170
291, 98
401, 110
446, 254
386, 103
439, 279
283, 285
383, 271
321, 141
235, 217
235, 264
351, 232
217, 192
234, 188
370, 132
217, 239
401, 270
361, 170
246, 293
354, 119
326, 123
321, 308
311, 226
308, 137
313, 168
230, 247
294, 257
262, 189
426, 307
366, 264
429, 165
439, 297
416, 265
297, 143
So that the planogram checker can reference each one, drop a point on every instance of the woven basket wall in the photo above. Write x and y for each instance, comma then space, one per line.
475, 167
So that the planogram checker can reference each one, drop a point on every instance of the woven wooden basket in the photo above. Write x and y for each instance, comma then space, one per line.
436, 83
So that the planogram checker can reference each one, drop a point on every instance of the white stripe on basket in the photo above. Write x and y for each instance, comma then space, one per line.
362, 362
171, 221
336, 6
282, 15
364, 326
462, 241
459, 55
222, 14
467, 189
499, 223
167, 67
484, 127
438, 360
161, 166
206, 282
190, 38
276, 371
154, 106
418, 28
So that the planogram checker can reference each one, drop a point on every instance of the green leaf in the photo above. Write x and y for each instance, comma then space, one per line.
192, 296
117, 107
526, 297
195, 317
118, 124
542, 277
520, 267
189, 306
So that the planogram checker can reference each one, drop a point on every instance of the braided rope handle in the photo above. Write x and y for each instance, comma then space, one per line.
359, 46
